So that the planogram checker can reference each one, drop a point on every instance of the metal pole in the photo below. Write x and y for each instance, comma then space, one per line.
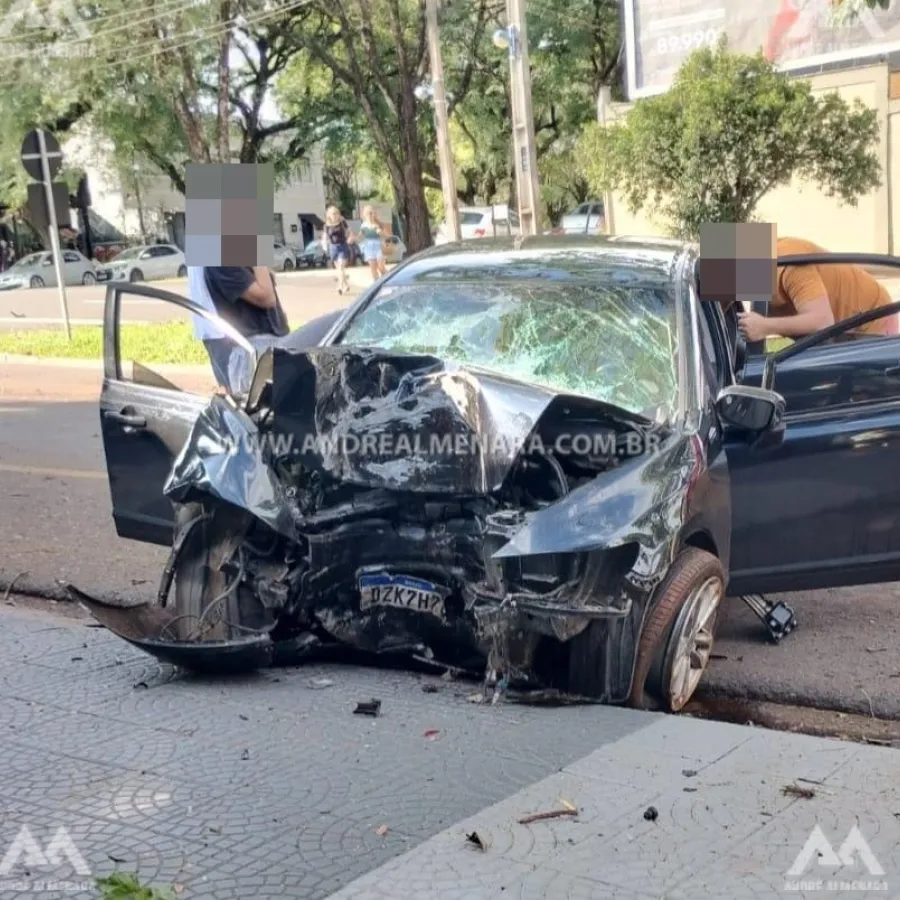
604, 98
441, 120
527, 181
54, 231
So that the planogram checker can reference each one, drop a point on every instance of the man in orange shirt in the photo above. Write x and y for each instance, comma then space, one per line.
810, 298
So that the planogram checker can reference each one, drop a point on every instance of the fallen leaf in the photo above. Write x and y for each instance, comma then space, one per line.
116, 859
476, 841
431, 734
381, 831
795, 790
569, 806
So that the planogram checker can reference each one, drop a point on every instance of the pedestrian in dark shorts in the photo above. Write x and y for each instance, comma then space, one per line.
336, 241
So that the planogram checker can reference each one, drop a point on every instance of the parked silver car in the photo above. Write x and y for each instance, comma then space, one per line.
285, 257
149, 262
37, 270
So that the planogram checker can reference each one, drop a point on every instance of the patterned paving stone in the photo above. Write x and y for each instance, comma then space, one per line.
257, 786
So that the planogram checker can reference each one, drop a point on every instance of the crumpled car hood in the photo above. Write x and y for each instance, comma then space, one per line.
400, 421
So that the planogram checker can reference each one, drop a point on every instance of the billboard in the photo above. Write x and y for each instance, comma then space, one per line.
793, 34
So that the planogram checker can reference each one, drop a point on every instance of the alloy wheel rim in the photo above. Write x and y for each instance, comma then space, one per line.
693, 637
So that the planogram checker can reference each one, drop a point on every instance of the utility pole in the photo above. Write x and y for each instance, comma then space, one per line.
442, 122
604, 98
524, 142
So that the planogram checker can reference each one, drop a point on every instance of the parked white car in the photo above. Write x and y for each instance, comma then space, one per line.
482, 222
146, 263
285, 257
37, 270
394, 249
589, 218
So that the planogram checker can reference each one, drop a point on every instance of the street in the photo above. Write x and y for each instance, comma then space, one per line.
304, 296
56, 525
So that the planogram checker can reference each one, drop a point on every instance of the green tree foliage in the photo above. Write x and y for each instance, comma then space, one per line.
376, 54
574, 49
168, 83
731, 129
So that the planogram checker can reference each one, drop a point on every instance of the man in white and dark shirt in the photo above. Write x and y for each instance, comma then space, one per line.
245, 297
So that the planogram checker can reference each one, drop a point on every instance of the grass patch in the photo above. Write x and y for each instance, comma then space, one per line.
165, 342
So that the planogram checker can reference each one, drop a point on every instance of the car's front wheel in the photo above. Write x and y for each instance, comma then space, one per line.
182, 271
88, 278
288, 265
676, 643
135, 276
36, 281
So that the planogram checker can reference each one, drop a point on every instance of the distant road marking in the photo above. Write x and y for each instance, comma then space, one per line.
52, 473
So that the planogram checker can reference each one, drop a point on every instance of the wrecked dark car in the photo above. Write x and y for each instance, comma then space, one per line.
543, 462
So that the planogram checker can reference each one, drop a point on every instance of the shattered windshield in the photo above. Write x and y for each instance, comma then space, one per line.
615, 343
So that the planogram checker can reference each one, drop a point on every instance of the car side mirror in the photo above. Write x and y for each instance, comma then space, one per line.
750, 409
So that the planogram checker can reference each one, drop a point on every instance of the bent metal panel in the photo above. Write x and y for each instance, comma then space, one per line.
794, 34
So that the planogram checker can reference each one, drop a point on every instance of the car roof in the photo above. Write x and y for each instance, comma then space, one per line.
557, 257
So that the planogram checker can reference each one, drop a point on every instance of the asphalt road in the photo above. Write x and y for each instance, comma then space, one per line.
55, 525
304, 296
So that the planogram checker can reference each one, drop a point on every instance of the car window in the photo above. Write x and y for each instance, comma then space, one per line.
581, 211
164, 251
597, 209
140, 359
613, 342
70, 257
470, 218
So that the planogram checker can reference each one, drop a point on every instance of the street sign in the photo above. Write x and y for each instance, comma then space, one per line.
42, 158
31, 154
37, 205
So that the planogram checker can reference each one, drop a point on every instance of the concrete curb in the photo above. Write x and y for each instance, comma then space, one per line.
63, 362
25, 587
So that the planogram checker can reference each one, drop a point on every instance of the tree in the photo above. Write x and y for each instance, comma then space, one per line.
574, 49
170, 84
376, 53
731, 129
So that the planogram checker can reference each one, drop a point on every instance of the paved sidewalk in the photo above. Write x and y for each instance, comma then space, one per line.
269, 786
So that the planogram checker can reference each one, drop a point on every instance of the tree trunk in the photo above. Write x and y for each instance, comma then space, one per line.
223, 123
412, 189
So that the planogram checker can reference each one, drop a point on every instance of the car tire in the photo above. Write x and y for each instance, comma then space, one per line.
288, 266
182, 271
36, 281
88, 278
684, 614
197, 582
135, 276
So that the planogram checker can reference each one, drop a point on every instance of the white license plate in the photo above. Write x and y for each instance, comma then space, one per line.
401, 591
